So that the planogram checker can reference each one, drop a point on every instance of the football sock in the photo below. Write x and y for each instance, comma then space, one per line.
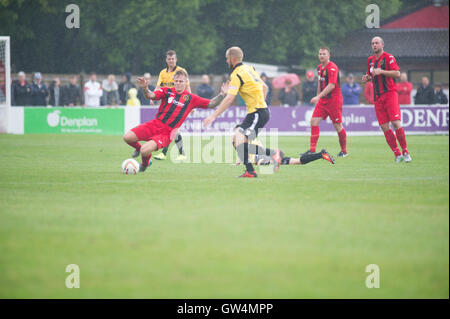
401, 139
309, 157
165, 149
179, 143
315, 132
242, 150
146, 159
136, 145
255, 149
392, 142
285, 160
343, 140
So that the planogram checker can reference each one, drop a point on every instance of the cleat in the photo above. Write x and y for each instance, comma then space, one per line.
135, 153
249, 174
160, 156
276, 161
407, 157
142, 168
326, 156
181, 157
342, 154
399, 159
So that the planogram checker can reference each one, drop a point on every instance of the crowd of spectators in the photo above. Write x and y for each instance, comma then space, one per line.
110, 93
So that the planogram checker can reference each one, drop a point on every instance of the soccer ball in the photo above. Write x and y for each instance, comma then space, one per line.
130, 167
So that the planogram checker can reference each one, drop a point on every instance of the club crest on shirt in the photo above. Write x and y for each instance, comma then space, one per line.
185, 98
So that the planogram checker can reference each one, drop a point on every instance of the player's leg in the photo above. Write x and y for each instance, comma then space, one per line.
383, 120
306, 158
162, 156
146, 154
336, 117
317, 116
131, 139
179, 144
241, 143
393, 110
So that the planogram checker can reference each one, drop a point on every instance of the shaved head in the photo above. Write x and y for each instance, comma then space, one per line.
378, 39
236, 53
377, 45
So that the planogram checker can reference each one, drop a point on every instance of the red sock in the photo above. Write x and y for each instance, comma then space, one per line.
392, 142
135, 145
146, 159
343, 140
401, 139
315, 132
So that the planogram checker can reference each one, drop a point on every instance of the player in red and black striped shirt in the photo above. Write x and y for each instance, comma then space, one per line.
176, 104
329, 101
382, 69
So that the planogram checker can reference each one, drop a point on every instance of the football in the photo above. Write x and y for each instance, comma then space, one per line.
130, 167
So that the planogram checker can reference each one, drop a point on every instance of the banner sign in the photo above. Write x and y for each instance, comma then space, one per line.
74, 120
418, 119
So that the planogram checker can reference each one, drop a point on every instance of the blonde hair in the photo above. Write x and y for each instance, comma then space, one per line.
181, 72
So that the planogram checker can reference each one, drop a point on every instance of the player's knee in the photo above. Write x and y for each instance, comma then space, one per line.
385, 127
128, 137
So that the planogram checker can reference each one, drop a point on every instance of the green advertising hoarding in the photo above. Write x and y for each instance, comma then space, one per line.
74, 120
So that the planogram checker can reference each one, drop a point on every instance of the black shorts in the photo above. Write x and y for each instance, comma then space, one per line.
253, 122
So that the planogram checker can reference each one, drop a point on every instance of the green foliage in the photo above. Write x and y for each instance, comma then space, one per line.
117, 36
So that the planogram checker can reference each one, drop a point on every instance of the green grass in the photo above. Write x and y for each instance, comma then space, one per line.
196, 231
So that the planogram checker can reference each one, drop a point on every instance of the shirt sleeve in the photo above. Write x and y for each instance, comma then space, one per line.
333, 74
199, 102
160, 93
392, 63
159, 83
235, 84
368, 67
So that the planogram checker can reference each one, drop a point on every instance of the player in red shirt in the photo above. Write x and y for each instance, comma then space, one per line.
176, 104
381, 70
329, 101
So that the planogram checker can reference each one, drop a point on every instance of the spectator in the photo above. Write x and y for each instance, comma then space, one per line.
92, 91
39, 91
439, 95
368, 92
204, 89
425, 93
288, 96
404, 89
72, 93
21, 91
309, 88
110, 91
351, 91
141, 96
57, 93
124, 87
133, 100
269, 88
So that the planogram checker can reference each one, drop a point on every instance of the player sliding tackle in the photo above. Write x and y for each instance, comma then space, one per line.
176, 104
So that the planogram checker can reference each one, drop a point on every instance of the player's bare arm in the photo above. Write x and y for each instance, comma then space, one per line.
265, 89
220, 109
216, 100
366, 78
390, 73
330, 87
144, 83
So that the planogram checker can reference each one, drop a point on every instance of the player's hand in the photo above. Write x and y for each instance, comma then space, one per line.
208, 121
224, 88
366, 78
143, 82
314, 100
377, 71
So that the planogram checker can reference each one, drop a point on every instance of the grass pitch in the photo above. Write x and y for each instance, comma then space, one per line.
196, 231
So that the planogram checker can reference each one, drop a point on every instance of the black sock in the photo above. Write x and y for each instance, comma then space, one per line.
309, 157
255, 149
179, 143
242, 150
285, 160
165, 149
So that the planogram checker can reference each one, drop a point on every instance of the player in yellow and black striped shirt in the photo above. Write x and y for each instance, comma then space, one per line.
246, 81
165, 79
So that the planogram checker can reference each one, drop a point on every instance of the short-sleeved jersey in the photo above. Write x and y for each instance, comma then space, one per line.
382, 83
329, 74
175, 107
165, 78
246, 81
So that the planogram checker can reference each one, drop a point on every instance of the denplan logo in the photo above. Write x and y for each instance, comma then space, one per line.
54, 119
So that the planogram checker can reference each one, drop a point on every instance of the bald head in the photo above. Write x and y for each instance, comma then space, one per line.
377, 45
234, 55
